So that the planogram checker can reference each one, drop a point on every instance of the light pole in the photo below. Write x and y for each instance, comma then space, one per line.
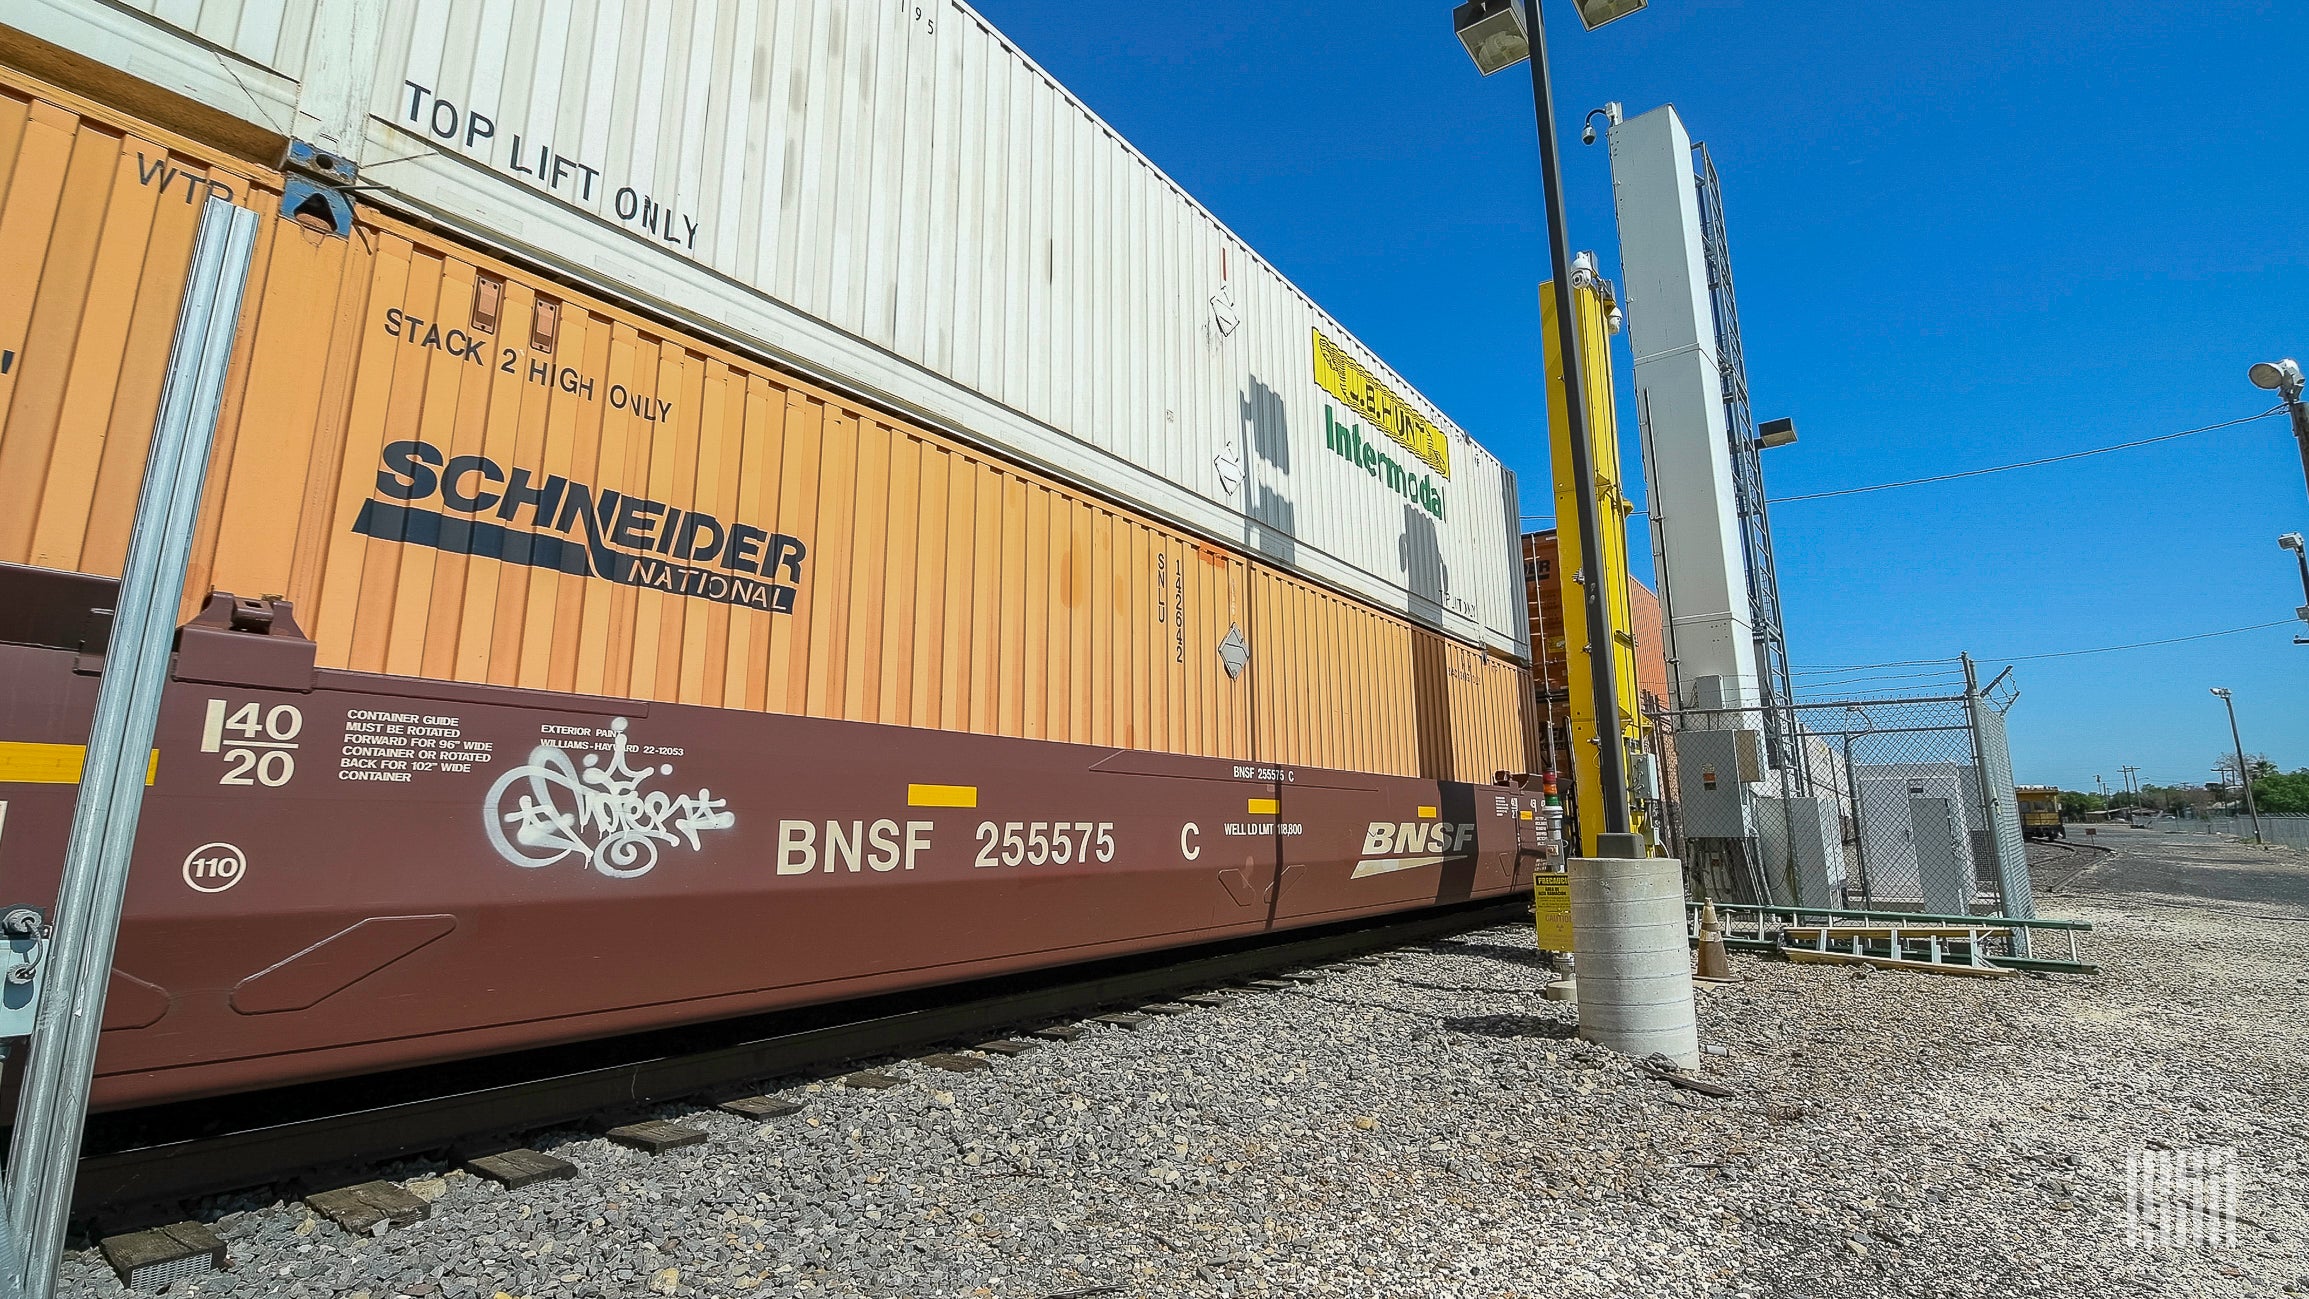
2292, 541
2284, 378
2244, 773
1499, 34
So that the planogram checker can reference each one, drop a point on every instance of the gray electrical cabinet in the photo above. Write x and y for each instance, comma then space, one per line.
1802, 841
1943, 857
1716, 804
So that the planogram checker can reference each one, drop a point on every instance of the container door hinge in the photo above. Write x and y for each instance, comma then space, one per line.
24, 931
317, 193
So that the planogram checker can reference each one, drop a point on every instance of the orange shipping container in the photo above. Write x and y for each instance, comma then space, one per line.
1543, 595
458, 470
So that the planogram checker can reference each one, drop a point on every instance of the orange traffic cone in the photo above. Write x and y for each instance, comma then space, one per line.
1713, 963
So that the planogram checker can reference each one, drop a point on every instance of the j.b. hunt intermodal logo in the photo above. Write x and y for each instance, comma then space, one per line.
514, 515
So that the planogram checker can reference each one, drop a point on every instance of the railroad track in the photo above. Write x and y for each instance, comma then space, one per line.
2075, 860
136, 1165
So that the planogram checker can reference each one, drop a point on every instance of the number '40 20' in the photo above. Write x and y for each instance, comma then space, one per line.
260, 745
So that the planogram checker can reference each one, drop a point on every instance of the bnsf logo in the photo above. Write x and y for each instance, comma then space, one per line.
1385, 837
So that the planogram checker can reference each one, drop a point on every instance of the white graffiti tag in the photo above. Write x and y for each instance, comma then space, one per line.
600, 813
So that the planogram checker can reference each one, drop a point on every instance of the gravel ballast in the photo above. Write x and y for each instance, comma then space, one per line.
1427, 1124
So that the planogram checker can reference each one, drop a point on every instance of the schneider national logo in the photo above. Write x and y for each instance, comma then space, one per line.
514, 517
1340, 375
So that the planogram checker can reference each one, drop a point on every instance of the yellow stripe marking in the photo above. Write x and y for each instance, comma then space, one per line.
942, 796
1266, 806
1525, 814
52, 764
1427, 813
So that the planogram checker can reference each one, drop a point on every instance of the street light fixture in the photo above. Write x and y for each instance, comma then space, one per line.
2292, 541
2244, 773
2285, 379
1595, 13
2278, 377
1499, 34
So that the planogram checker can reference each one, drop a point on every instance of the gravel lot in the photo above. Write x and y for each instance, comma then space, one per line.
1428, 1125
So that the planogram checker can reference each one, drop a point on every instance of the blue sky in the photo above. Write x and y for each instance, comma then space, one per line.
1963, 236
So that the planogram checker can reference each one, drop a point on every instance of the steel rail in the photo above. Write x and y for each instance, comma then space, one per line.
197, 1148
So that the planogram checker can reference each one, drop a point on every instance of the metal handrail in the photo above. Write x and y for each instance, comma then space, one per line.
2075, 964
1895, 917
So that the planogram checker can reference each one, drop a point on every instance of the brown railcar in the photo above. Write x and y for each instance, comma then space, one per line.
548, 673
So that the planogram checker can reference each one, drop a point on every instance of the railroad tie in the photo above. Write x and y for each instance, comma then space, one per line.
363, 1208
956, 1063
655, 1136
873, 1081
150, 1260
514, 1169
759, 1107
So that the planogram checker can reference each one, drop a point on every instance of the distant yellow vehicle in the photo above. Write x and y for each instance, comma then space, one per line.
2040, 812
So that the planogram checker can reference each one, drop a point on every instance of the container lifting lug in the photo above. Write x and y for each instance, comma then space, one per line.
255, 616
317, 189
24, 932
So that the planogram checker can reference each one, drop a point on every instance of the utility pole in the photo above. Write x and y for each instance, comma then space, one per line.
1613, 838
2132, 784
2244, 770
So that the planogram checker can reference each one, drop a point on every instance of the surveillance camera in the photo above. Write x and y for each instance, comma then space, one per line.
1610, 113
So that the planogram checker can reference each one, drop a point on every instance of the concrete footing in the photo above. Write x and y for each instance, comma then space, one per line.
1635, 971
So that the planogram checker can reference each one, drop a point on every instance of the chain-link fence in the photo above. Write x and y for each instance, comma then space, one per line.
1902, 804
2289, 828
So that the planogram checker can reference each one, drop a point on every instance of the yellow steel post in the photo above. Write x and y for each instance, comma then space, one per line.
1589, 308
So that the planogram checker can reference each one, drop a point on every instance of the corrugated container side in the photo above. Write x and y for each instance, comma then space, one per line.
269, 33
399, 404
769, 171
842, 170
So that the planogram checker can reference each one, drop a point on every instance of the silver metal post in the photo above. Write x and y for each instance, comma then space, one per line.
52, 1108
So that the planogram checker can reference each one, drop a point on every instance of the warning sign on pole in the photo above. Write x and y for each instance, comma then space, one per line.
1551, 911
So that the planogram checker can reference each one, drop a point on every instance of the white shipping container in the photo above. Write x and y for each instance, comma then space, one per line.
893, 199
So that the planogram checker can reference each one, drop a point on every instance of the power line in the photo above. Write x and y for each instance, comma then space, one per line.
1818, 669
1992, 469
2021, 658
2146, 644
1918, 680
2025, 464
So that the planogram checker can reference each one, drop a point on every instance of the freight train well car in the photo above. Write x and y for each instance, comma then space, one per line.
549, 672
